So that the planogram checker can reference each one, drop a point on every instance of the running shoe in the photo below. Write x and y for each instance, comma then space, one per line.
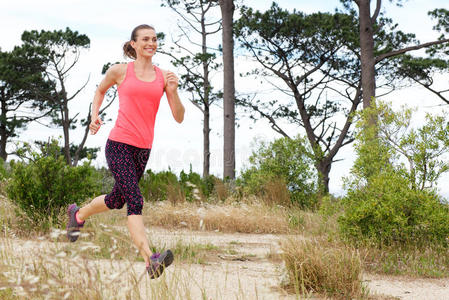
73, 227
159, 261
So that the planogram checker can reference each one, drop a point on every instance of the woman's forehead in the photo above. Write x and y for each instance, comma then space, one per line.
147, 32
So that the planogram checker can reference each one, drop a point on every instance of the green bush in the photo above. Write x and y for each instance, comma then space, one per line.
191, 186
195, 187
388, 212
105, 180
5, 171
46, 184
154, 186
388, 203
286, 159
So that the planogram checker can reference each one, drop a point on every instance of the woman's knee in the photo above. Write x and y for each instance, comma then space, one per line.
135, 206
114, 201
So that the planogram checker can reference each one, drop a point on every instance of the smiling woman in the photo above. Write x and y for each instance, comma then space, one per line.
149, 36
140, 88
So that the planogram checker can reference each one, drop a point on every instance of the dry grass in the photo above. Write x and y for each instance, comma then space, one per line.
47, 270
221, 190
275, 192
432, 262
174, 194
316, 266
238, 217
55, 274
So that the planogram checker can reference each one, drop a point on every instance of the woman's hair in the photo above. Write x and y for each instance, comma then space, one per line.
128, 50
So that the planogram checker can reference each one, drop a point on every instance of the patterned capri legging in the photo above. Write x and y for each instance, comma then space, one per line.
127, 164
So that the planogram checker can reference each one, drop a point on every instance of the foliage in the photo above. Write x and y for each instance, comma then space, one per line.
387, 211
284, 158
196, 187
154, 185
21, 84
4, 170
386, 203
190, 186
45, 185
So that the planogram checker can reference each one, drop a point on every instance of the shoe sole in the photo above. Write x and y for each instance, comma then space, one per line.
168, 259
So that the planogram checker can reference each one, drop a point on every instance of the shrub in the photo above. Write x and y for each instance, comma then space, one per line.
166, 186
284, 159
388, 212
154, 186
387, 203
193, 186
105, 180
45, 185
4, 170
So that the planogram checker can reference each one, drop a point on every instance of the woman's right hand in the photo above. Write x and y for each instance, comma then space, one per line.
95, 124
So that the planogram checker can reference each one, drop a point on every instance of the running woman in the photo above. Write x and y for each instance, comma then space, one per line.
140, 86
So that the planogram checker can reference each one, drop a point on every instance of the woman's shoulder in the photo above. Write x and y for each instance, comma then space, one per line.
118, 69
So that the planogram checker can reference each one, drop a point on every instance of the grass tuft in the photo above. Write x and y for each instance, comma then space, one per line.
315, 266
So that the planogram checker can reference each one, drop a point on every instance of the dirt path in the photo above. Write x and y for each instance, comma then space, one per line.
241, 266
409, 289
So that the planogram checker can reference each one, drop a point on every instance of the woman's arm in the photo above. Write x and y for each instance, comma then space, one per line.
171, 90
112, 76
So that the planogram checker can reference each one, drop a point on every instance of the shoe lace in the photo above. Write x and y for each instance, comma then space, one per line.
155, 256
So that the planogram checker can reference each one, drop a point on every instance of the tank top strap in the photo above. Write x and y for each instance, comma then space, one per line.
130, 70
159, 76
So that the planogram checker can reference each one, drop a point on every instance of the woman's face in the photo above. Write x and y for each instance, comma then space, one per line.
146, 43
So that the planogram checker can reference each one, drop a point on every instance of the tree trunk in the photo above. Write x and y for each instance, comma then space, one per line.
367, 53
3, 133
324, 167
227, 12
76, 157
206, 143
66, 128
206, 97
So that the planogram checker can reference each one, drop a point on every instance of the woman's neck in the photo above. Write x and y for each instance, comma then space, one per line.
144, 63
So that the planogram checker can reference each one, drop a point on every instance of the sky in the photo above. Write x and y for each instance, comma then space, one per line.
108, 24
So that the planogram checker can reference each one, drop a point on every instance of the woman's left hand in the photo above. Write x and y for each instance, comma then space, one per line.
172, 82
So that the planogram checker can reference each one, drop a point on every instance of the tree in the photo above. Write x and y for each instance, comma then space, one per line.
63, 49
315, 59
22, 86
197, 66
227, 12
373, 53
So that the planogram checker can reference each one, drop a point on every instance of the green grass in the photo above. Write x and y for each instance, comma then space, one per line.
192, 253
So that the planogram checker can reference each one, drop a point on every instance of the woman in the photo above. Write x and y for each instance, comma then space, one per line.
140, 88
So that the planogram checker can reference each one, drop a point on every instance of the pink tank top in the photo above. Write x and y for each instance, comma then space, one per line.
138, 104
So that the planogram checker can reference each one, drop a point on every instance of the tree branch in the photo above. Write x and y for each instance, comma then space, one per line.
412, 48
78, 91
376, 12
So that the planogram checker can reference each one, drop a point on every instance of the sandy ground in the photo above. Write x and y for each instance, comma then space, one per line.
242, 268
